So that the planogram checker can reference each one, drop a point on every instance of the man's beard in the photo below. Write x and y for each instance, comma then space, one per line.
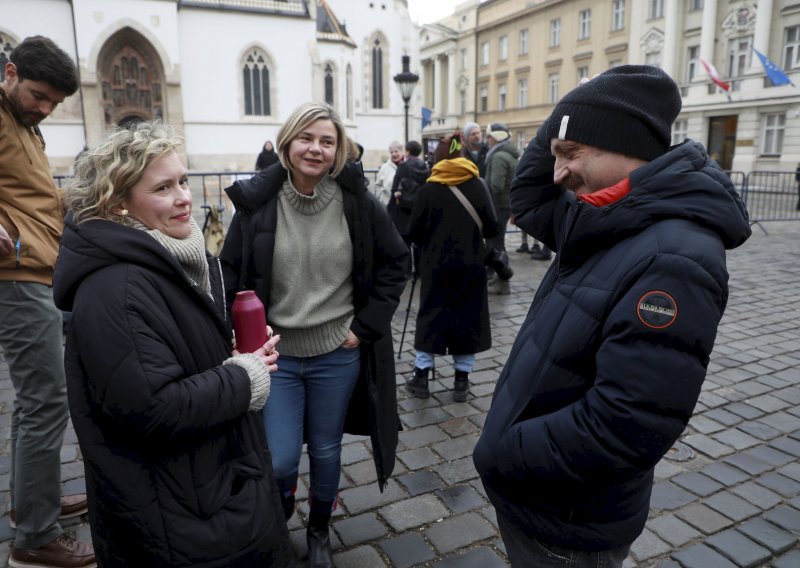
29, 118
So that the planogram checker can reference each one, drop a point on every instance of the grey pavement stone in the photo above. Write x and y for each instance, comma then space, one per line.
461, 498
648, 545
458, 532
424, 436
735, 438
457, 471
697, 483
723, 416
419, 482
358, 558
769, 455
407, 550
759, 430
363, 473
768, 403
666, 469
732, 506
359, 529
744, 410
356, 452
703, 518
791, 470
711, 400
424, 417
725, 474
481, 557
748, 463
779, 484
704, 424
785, 444
459, 427
707, 445
418, 458
460, 447
672, 530
783, 421
736, 546
771, 536
759, 496
413, 512
788, 560
787, 518
359, 499
667, 496
701, 556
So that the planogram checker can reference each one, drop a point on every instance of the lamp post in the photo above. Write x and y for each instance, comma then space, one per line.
406, 81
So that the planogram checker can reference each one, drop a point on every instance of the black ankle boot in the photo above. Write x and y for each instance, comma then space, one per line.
417, 386
461, 387
318, 539
288, 506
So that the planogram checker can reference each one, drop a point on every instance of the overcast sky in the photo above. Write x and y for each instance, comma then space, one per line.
426, 11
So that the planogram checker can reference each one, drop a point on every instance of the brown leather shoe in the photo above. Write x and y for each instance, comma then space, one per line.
63, 552
71, 506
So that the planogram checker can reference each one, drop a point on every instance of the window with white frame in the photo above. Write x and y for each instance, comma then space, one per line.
552, 88
656, 9
463, 100
521, 141
585, 24
617, 15
485, 53
653, 59
695, 5
614, 63
583, 72
523, 42
692, 61
522, 93
329, 83
484, 98
739, 54
791, 48
377, 79
502, 48
463, 58
501, 97
679, 130
555, 32
772, 135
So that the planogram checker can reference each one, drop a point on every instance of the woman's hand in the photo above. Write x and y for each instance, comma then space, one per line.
351, 341
267, 353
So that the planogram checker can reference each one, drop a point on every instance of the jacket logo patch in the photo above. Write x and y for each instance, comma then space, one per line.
657, 309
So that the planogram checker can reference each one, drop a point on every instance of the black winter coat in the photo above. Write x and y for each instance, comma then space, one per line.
379, 265
607, 368
177, 472
453, 316
408, 179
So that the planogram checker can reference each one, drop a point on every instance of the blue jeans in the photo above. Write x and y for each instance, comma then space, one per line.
526, 552
460, 362
31, 338
314, 391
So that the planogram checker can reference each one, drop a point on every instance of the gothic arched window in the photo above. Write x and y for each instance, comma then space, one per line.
329, 82
377, 73
256, 83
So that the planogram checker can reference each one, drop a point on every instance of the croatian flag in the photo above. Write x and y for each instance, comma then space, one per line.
712, 72
775, 75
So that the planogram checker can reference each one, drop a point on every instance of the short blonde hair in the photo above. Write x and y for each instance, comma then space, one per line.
299, 120
104, 174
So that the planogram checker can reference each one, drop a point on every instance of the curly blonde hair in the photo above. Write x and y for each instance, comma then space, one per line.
301, 118
104, 174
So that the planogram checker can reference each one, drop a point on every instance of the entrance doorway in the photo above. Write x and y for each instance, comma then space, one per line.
722, 139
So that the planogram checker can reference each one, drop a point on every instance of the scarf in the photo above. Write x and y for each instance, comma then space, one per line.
189, 252
453, 172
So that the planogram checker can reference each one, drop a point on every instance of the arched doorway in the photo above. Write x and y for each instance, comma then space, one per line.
131, 76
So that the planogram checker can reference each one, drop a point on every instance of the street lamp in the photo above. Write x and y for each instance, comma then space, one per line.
406, 81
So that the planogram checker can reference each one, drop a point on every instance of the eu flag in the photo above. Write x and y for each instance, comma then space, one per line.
426, 116
775, 75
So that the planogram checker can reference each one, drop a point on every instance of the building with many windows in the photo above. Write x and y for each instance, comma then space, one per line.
524, 55
225, 73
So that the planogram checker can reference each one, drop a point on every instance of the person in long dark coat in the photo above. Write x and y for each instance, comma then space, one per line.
167, 417
453, 317
323, 256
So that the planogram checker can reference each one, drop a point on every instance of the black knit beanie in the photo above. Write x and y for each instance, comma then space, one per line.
628, 109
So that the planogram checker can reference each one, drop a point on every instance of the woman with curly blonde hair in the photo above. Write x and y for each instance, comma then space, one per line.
167, 416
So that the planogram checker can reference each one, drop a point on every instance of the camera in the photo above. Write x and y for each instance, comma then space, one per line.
497, 260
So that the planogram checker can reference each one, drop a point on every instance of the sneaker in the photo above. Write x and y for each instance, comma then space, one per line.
71, 506
523, 248
500, 287
63, 552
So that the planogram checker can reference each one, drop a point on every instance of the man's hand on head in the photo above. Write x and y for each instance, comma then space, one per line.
6, 244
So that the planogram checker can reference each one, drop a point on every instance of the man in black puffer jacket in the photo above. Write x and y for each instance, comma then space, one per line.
607, 368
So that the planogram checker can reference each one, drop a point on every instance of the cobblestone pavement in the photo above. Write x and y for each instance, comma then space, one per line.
728, 496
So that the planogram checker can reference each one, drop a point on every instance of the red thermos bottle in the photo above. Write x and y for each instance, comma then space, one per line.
249, 321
